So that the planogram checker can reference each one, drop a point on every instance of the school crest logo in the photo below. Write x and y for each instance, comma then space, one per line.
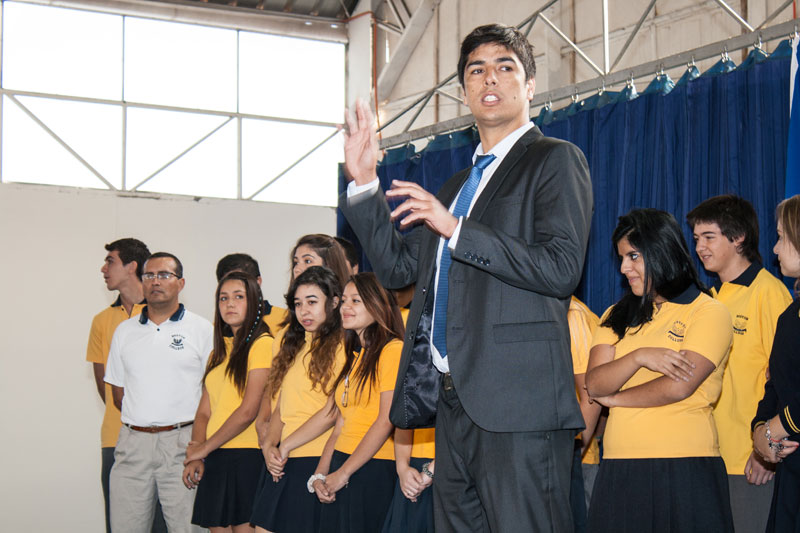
177, 342
677, 331
740, 325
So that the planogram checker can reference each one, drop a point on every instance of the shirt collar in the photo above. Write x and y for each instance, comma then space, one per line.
176, 316
118, 301
501, 149
687, 296
745, 279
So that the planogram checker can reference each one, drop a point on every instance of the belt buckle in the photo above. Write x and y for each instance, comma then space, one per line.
447, 381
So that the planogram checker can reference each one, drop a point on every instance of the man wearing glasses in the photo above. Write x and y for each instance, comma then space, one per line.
156, 365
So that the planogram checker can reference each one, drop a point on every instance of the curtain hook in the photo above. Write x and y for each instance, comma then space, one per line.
575, 95
759, 43
690, 64
725, 56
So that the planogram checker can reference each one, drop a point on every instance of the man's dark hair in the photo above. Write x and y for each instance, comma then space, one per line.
349, 251
237, 263
178, 265
735, 217
506, 36
130, 249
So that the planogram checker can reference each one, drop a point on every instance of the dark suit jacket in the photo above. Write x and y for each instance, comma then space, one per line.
518, 259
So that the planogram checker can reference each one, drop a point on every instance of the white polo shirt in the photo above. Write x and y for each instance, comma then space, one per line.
160, 366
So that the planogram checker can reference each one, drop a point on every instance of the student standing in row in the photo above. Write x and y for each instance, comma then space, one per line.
356, 474
776, 426
308, 359
122, 271
224, 460
725, 232
240, 262
655, 365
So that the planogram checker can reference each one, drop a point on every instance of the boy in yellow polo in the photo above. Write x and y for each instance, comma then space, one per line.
725, 231
122, 271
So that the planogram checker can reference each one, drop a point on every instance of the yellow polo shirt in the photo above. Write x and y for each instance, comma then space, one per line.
274, 319
104, 325
582, 325
692, 321
423, 444
299, 402
755, 300
224, 396
362, 409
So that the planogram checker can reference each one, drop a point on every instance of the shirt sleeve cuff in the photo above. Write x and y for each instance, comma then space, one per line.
353, 190
453, 241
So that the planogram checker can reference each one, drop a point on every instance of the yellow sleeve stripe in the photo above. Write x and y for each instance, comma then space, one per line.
757, 425
792, 425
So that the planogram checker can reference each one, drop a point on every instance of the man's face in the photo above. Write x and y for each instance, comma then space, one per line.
495, 88
713, 248
114, 272
161, 291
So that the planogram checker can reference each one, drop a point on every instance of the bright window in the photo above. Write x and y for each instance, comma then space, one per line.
168, 107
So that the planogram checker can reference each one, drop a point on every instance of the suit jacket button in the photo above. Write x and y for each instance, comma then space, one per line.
487, 262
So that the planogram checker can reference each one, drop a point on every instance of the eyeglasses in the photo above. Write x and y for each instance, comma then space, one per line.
163, 276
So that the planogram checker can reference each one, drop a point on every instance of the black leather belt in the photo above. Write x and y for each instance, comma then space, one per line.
159, 429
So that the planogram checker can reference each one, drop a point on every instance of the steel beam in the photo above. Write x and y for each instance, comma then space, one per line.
408, 42
633, 34
730, 11
775, 13
573, 45
290, 167
216, 15
394, 10
606, 54
183, 153
61, 141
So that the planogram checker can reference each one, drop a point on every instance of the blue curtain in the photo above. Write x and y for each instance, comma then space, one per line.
669, 148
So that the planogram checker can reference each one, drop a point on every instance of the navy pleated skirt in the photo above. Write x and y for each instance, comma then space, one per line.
683, 495
406, 516
361, 506
227, 490
287, 506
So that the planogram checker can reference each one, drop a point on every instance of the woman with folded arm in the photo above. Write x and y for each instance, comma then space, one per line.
657, 362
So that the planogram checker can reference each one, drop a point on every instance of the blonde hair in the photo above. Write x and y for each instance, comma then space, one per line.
788, 214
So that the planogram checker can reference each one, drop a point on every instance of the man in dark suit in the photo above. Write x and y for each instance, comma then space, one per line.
486, 351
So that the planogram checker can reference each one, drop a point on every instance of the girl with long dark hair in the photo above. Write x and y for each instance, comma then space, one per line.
309, 356
657, 362
318, 249
223, 459
355, 476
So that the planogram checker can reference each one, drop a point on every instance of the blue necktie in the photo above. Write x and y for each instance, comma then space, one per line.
462, 207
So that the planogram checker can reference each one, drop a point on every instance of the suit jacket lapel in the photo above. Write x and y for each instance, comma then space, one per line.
502, 172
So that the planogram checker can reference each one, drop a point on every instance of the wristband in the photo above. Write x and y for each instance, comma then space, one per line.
426, 471
312, 479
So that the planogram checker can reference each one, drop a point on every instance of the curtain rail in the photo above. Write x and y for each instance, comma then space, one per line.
771, 33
